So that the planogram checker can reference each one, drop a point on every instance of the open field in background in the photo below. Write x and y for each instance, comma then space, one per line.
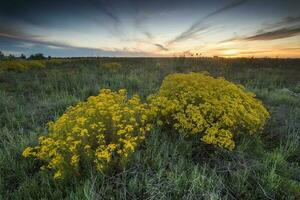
265, 166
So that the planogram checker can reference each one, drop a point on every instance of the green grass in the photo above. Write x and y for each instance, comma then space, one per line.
165, 166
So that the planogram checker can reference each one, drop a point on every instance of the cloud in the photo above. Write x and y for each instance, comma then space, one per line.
104, 8
30, 44
161, 47
140, 20
190, 33
285, 22
276, 34
34, 39
233, 4
198, 25
265, 36
285, 28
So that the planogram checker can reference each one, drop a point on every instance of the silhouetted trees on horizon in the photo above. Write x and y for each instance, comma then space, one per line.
37, 56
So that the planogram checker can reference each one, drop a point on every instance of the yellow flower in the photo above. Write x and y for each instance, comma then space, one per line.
94, 130
27, 152
216, 109
57, 175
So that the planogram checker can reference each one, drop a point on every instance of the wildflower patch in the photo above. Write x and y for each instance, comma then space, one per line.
106, 129
217, 109
102, 132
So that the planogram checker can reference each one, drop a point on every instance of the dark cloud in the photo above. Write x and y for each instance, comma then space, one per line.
276, 34
198, 25
285, 28
161, 47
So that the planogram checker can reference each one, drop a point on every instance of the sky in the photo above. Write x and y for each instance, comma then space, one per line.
227, 28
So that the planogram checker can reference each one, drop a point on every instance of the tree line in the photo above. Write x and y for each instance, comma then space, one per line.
37, 56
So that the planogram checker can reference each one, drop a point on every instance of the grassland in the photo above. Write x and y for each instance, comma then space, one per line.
265, 166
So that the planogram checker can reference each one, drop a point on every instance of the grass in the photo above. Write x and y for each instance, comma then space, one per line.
165, 166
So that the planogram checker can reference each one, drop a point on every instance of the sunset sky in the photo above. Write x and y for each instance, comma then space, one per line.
229, 28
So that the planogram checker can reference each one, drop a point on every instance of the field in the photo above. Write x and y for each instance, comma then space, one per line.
165, 166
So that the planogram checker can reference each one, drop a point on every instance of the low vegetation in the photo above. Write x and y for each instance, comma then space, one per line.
198, 104
114, 66
21, 65
169, 163
101, 132
106, 130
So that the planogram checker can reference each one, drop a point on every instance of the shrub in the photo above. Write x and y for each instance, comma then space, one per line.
114, 66
218, 110
21, 65
101, 132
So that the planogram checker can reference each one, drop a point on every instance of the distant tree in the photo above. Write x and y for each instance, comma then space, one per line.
1, 55
49, 57
23, 56
11, 57
37, 56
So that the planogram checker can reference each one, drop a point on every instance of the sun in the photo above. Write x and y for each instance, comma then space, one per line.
230, 52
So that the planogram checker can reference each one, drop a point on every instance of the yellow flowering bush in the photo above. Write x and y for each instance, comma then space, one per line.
21, 65
101, 132
217, 109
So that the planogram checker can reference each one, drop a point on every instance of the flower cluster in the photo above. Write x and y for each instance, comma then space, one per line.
102, 132
21, 65
218, 110
106, 129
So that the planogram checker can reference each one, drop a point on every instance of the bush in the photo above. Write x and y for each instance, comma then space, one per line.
21, 65
106, 129
101, 132
218, 110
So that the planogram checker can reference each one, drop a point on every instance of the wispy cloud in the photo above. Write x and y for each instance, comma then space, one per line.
105, 9
161, 47
34, 39
188, 34
140, 23
269, 35
285, 28
276, 34
37, 43
199, 26
285, 22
